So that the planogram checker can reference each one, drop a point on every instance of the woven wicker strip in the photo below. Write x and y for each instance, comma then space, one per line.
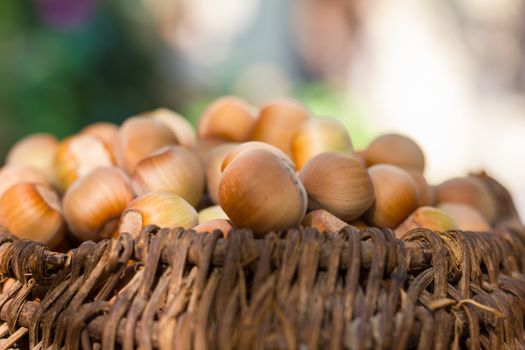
353, 289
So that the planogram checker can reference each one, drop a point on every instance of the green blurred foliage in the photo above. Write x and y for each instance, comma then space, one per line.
330, 102
113, 65
59, 80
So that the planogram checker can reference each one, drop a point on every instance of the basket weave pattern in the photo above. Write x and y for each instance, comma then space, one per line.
177, 289
352, 289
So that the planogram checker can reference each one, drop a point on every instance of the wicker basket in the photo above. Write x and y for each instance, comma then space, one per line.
176, 289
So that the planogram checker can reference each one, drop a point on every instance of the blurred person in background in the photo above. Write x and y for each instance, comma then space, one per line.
447, 73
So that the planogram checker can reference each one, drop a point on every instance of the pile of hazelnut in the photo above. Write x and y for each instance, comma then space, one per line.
265, 169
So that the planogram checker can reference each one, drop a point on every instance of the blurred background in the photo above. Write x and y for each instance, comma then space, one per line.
450, 74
